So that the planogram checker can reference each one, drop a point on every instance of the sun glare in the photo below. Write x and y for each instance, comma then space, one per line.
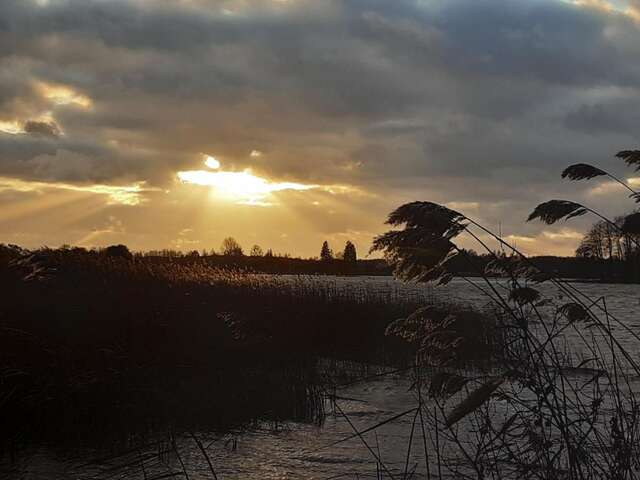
244, 187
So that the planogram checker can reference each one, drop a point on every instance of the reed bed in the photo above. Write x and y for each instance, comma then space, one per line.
127, 346
115, 352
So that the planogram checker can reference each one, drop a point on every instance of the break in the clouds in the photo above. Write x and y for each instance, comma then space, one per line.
332, 111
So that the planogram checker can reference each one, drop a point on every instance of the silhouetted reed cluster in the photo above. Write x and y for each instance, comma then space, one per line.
561, 400
106, 342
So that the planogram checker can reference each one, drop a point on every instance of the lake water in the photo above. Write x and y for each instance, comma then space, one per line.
304, 451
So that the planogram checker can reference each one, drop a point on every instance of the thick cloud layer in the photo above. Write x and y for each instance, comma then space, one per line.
471, 101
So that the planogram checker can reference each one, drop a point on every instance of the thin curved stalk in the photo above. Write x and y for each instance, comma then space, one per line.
624, 184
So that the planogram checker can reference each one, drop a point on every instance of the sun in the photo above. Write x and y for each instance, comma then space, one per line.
242, 187
211, 162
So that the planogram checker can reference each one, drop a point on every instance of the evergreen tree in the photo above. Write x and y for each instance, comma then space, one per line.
350, 254
326, 253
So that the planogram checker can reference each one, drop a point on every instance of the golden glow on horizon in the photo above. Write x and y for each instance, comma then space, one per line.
463, 205
563, 234
633, 181
561, 242
117, 194
514, 239
63, 95
611, 187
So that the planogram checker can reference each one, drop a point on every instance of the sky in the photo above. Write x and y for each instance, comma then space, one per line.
177, 123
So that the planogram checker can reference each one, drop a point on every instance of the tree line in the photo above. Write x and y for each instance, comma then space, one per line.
230, 247
612, 245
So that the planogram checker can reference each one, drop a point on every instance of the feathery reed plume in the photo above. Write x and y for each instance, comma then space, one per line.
582, 171
555, 210
422, 249
424, 214
574, 312
409, 328
473, 401
448, 335
496, 268
524, 295
631, 157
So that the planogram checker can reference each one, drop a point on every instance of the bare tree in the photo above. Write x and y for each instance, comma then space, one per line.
230, 247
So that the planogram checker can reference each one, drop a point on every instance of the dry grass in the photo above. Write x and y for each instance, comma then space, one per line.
94, 343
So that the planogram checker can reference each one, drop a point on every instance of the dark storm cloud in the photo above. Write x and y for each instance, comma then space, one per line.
550, 41
40, 154
116, 23
617, 117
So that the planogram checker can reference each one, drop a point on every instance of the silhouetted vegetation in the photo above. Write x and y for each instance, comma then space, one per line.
545, 409
588, 265
350, 254
530, 414
118, 251
581, 268
326, 254
256, 251
92, 342
615, 247
272, 263
231, 248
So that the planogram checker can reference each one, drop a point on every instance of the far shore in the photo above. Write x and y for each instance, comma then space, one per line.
567, 268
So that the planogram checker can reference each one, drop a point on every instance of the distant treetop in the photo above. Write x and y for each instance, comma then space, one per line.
118, 251
350, 254
326, 253
231, 248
